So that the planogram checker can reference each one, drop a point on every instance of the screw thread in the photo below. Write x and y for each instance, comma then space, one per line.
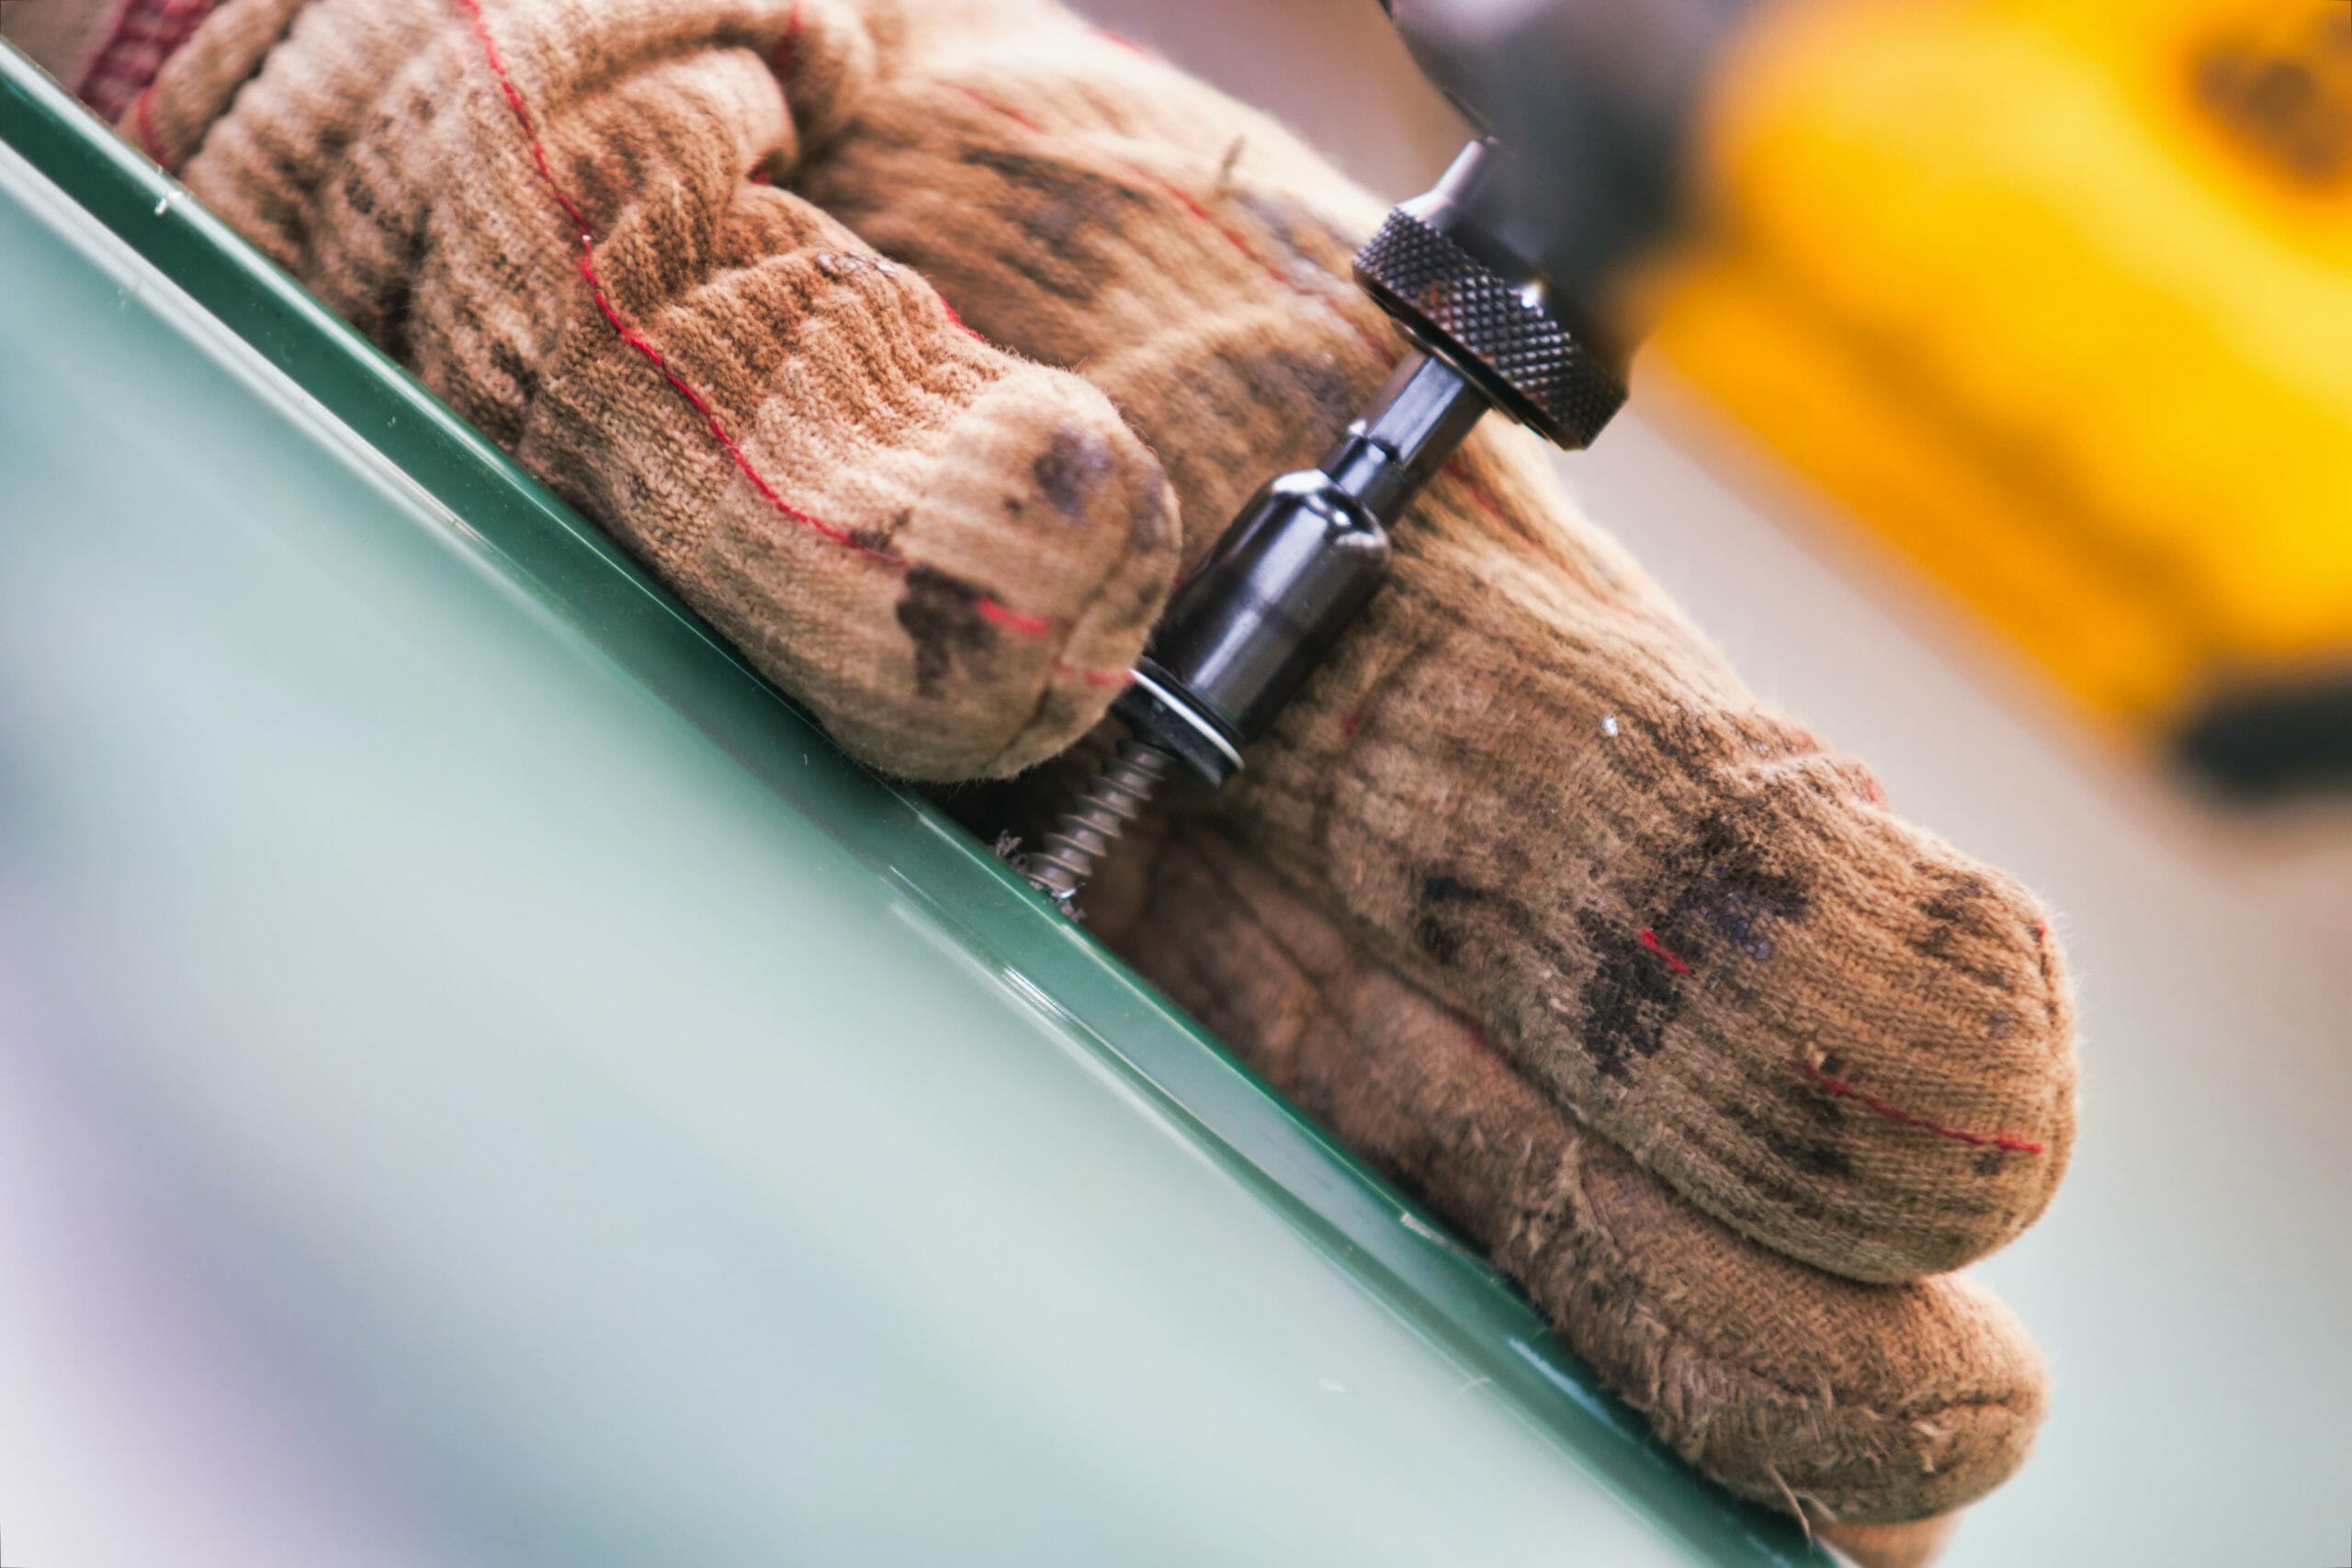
1084, 833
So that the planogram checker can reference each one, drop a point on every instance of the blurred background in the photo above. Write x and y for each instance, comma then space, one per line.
1997, 421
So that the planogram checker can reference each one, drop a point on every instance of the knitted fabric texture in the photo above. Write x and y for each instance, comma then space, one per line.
1625, 974
556, 216
1859, 1403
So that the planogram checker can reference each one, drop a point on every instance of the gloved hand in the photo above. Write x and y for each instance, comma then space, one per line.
1623, 975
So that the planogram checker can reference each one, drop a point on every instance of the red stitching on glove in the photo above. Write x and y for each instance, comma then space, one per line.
993, 610
956, 320
1006, 110
1130, 45
1839, 1087
143, 121
1195, 208
1650, 940
1458, 467
1895, 1113
995, 614
788, 48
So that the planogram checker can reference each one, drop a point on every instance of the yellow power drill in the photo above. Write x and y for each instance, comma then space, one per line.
2056, 295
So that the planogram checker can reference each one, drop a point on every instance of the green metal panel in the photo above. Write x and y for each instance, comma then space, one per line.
668, 1134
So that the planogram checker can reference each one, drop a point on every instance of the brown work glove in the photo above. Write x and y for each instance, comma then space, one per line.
1526, 896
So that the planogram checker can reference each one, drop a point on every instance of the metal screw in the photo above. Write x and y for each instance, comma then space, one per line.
1085, 832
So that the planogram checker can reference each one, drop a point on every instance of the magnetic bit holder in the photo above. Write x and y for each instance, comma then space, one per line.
1310, 549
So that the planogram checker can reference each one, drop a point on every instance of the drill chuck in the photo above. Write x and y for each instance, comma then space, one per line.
1497, 326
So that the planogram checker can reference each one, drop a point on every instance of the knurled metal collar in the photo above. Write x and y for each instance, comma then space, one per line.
1505, 338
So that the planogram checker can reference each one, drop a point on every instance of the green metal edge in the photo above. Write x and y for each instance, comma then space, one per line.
1405, 1257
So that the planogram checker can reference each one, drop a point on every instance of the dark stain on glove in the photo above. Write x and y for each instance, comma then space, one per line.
948, 618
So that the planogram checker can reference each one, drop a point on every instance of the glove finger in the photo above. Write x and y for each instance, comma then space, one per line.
1865, 1404
1074, 199
558, 218
1523, 778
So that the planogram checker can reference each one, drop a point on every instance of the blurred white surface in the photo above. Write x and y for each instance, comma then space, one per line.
2192, 1285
